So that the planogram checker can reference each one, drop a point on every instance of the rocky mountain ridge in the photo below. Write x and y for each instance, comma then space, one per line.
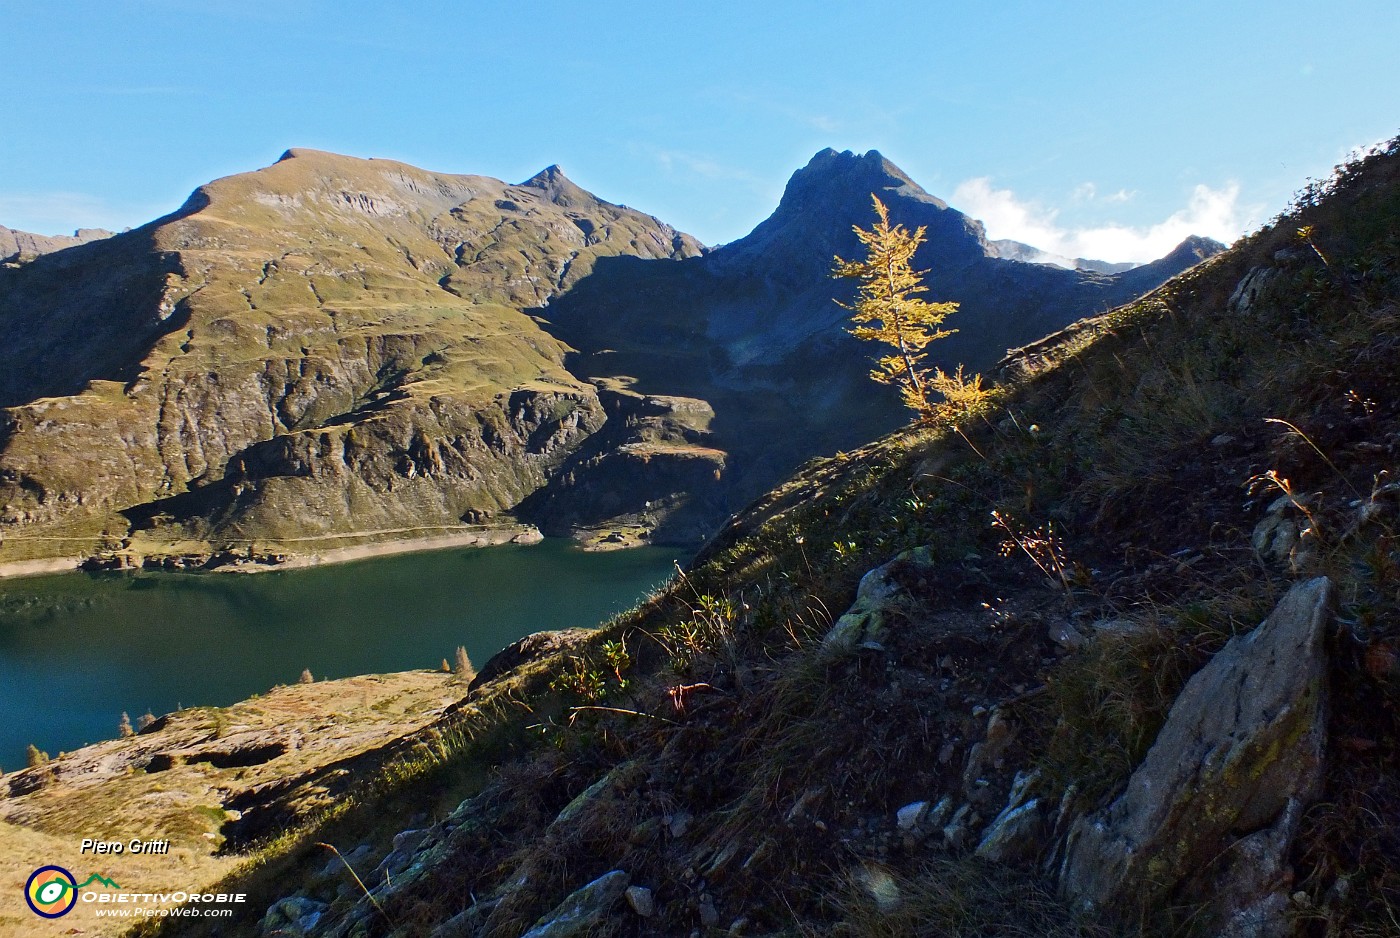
18, 246
333, 351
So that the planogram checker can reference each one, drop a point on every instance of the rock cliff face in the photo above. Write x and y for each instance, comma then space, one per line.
335, 347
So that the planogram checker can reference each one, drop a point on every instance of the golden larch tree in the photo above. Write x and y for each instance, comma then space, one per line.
888, 308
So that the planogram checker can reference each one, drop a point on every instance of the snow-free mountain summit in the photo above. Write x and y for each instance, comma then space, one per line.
332, 351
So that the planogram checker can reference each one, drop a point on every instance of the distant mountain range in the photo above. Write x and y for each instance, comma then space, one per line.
17, 246
1016, 251
334, 350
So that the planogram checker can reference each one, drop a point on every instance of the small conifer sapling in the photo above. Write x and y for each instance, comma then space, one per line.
888, 308
463, 668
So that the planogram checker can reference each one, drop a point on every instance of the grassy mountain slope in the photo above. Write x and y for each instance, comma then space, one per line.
324, 346
1159, 475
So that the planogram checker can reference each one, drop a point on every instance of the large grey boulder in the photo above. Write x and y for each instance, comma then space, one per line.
866, 623
1219, 794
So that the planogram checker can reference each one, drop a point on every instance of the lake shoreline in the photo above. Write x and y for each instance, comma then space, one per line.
494, 537
264, 562
78, 650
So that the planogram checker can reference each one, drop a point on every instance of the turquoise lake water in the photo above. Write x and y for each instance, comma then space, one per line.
76, 649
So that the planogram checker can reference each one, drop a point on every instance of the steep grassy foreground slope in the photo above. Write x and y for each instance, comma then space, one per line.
1061, 592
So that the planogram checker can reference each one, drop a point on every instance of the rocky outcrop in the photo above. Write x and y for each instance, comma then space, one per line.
654, 466
1224, 785
530, 648
584, 910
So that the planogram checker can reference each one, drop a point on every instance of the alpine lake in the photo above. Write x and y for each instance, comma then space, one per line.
77, 649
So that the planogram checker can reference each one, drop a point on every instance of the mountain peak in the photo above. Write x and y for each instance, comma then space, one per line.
293, 153
1192, 250
551, 177
560, 188
846, 174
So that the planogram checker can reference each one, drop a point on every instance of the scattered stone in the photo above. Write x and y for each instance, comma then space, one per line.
800, 808
709, 915
987, 753
881, 888
581, 913
678, 823
467, 923
1118, 629
718, 867
335, 866
939, 813
1017, 831
401, 856
1253, 904
292, 917
911, 816
955, 832
1065, 635
761, 853
1241, 750
641, 901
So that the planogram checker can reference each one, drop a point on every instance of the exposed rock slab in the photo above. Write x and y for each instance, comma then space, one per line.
582, 912
1241, 751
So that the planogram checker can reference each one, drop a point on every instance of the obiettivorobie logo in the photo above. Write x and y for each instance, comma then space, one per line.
52, 891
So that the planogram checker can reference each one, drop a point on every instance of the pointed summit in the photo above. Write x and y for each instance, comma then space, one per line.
847, 174
550, 175
560, 188
829, 195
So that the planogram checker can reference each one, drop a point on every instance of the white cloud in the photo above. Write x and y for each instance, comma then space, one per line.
1214, 213
694, 164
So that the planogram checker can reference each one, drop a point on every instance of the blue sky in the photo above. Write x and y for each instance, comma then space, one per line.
1102, 129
